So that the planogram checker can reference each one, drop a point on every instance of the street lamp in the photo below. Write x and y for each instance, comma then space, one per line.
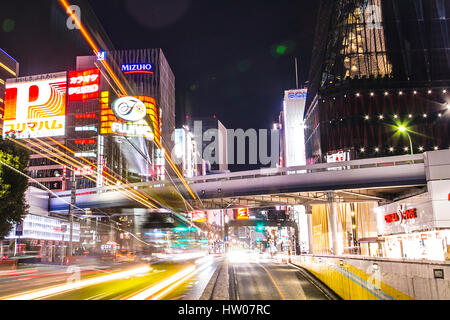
403, 129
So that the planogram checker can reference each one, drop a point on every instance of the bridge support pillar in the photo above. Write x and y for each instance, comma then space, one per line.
337, 250
308, 211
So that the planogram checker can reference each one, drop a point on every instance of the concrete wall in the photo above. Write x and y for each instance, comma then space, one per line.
360, 278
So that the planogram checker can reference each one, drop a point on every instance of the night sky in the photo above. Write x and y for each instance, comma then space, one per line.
232, 59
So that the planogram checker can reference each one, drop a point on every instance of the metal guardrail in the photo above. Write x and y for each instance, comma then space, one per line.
347, 165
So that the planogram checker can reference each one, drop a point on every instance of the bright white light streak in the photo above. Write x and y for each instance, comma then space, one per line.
163, 284
78, 285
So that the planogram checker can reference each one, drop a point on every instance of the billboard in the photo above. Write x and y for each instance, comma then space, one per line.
84, 84
35, 106
198, 215
242, 213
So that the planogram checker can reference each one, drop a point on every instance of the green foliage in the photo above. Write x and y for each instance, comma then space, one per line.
12, 185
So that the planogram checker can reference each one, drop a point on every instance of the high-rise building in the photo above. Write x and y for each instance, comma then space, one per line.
186, 153
9, 68
81, 112
211, 135
379, 75
292, 128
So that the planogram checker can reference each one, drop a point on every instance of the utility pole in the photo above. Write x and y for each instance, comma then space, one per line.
71, 208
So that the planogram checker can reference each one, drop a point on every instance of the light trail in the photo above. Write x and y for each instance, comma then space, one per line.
41, 293
91, 43
148, 292
164, 287
72, 166
123, 185
111, 73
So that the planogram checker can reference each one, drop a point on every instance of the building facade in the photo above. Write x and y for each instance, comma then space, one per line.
379, 66
292, 127
74, 110
211, 135
9, 68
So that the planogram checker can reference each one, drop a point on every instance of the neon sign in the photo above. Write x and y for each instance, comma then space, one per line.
129, 109
85, 141
85, 171
401, 215
297, 95
242, 213
198, 215
35, 106
139, 129
137, 68
84, 85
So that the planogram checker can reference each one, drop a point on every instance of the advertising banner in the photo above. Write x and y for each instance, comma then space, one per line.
35, 106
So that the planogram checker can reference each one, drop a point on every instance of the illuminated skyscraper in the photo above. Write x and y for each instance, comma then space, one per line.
378, 65
292, 126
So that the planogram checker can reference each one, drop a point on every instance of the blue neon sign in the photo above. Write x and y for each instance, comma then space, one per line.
298, 95
137, 68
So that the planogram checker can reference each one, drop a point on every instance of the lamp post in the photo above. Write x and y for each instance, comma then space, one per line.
405, 130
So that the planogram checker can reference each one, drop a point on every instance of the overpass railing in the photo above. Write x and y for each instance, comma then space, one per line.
345, 165
268, 172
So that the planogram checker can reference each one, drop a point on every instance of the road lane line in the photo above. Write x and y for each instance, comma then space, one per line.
274, 283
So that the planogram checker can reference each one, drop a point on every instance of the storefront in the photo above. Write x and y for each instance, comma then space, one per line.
42, 238
411, 229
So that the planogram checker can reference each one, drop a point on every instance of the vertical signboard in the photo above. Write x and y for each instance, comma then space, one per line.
84, 85
242, 213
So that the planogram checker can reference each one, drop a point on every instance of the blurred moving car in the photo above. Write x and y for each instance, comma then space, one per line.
124, 255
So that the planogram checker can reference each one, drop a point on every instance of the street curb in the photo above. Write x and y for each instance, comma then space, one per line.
217, 287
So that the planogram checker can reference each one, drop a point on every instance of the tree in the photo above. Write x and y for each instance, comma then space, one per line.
12, 185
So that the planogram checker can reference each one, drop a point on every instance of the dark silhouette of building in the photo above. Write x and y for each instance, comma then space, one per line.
379, 65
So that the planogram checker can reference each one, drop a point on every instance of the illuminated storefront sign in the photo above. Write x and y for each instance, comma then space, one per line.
86, 128
84, 85
298, 95
140, 129
242, 213
401, 215
85, 171
198, 215
101, 55
85, 141
132, 111
86, 116
137, 68
338, 157
129, 109
35, 106
44, 228
87, 154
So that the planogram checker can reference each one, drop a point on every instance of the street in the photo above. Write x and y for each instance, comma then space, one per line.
272, 281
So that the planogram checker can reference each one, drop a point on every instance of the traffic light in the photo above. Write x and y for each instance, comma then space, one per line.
260, 227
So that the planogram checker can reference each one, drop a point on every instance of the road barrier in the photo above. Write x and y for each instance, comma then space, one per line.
368, 278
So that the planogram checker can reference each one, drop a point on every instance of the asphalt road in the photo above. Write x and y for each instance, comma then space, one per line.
272, 281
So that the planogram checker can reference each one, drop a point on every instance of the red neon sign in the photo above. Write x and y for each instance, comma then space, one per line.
198, 215
86, 116
85, 141
84, 84
401, 216
242, 213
